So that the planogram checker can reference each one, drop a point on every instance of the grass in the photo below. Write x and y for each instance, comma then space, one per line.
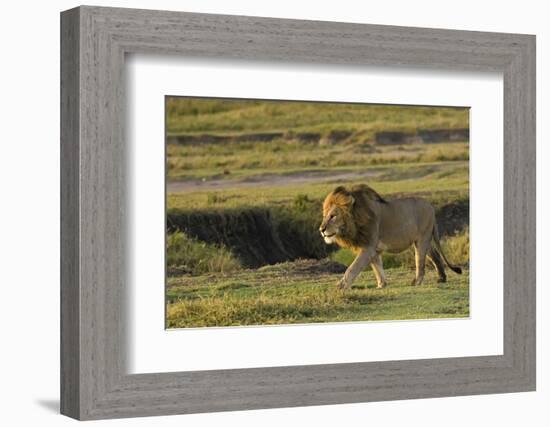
294, 292
457, 248
188, 116
239, 159
196, 257
279, 295
435, 180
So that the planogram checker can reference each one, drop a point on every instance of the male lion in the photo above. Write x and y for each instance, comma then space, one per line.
360, 219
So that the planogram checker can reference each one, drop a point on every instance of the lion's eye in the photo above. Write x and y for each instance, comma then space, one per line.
332, 216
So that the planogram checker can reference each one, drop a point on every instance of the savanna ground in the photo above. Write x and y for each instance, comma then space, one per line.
246, 180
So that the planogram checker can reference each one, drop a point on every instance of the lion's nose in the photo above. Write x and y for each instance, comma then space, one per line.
322, 228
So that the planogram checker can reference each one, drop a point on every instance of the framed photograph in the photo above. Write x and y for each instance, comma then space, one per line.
267, 206
261, 213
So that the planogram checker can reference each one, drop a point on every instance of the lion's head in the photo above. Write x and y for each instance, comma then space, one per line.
348, 216
337, 215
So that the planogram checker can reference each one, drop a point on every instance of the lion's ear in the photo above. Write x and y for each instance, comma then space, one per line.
339, 190
351, 200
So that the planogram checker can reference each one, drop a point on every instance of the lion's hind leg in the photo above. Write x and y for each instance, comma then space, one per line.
378, 269
437, 262
421, 248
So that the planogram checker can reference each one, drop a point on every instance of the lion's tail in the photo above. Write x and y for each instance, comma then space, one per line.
435, 235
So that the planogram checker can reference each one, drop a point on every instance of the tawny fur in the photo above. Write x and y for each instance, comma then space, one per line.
360, 219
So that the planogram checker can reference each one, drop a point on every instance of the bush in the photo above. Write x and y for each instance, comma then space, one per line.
214, 198
457, 247
302, 202
198, 257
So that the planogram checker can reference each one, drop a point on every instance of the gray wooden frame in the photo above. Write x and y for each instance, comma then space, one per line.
94, 382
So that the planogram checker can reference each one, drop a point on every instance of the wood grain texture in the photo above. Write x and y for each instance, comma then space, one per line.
70, 263
94, 232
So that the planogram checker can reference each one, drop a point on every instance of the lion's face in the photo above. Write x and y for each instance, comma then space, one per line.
333, 224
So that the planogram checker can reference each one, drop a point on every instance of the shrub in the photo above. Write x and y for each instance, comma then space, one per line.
302, 202
198, 257
214, 198
457, 247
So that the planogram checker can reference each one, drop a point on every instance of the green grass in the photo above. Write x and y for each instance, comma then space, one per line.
188, 116
234, 159
239, 159
279, 295
192, 256
435, 180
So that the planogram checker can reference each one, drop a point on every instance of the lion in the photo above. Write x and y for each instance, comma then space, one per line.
360, 219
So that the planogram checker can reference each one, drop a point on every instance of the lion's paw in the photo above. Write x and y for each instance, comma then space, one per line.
342, 284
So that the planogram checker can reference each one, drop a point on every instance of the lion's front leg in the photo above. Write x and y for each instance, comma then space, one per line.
378, 270
342, 284
364, 258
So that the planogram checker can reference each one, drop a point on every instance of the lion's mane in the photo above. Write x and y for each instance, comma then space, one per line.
360, 220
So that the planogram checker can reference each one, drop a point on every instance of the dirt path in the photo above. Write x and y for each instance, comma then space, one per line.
303, 177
